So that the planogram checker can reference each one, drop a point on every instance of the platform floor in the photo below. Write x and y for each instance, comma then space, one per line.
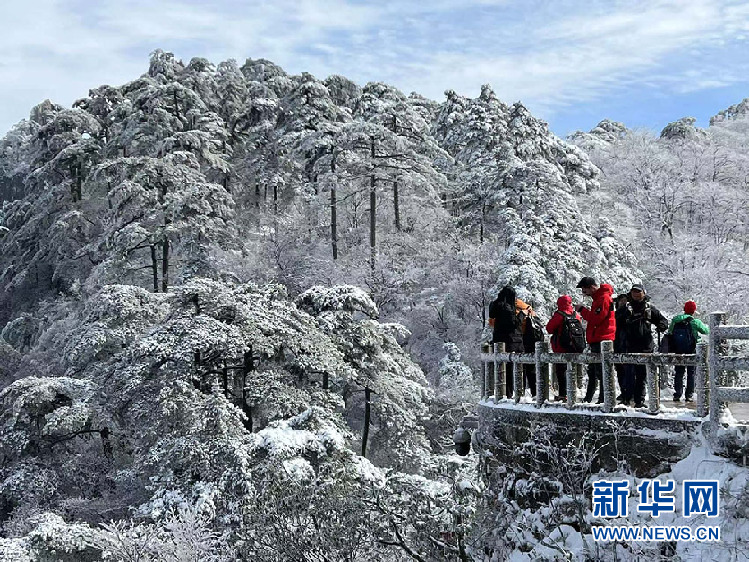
740, 412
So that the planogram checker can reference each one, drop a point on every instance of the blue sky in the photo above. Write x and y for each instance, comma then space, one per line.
570, 62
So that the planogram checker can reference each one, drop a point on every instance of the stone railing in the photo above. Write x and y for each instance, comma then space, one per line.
709, 366
720, 394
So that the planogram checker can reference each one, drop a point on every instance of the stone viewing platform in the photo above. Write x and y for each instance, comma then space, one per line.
643, 441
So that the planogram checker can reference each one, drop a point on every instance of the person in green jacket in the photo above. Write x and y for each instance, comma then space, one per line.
685, 332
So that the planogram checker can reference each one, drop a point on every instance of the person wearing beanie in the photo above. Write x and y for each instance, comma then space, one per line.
637, 318
620, 345
686, 321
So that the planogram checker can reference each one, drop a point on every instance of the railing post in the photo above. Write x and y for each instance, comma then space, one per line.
542, 374
484, 394
713, 373
571, 385
500, 384
663, 375
495, 368
654, 389
700, 373
607, 367
517, 380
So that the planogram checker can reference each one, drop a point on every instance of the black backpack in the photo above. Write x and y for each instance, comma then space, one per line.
571, 333
683, 338
638, 324
533, 332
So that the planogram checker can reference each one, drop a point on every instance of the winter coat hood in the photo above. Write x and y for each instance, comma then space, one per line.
603, 289
564, 304
554, 326
507, 294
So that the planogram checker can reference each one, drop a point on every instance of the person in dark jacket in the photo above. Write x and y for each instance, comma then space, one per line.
554, 327
525, 312
600, 326
507, 328
698, 327
637, 318
620, 345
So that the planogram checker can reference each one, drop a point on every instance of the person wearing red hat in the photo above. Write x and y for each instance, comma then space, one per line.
685, 333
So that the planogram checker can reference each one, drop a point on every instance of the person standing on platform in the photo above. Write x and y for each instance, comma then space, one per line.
567, 336
601, 325
637, 318
685, 332
506, 326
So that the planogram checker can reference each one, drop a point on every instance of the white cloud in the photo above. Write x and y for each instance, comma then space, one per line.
589, 54
550, 53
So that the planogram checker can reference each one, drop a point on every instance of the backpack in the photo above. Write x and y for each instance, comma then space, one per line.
638, 324
683, 337
571, 334
533, 331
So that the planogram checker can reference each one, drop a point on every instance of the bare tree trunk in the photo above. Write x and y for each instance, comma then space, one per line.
155, 269
333, 210
257, 195
481, 230
105, 442
248, 365
367, 415
164, 244
197, 363
72, 184
165, 264
275, 198
396, 206
76, 187
79, 181
372, 213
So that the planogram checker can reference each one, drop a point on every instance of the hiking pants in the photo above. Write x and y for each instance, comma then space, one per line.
679, 381
561, 372
595, 375
509, 379
529, 378
634, 383
529, 373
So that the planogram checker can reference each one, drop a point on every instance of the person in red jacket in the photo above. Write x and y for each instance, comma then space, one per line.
601, 325
554, 327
